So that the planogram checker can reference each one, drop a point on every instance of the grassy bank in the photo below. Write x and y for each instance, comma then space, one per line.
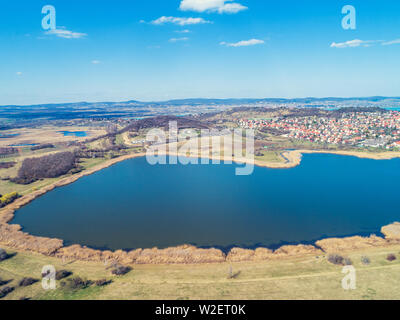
308, 277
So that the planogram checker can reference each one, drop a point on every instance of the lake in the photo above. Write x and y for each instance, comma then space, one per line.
24, 145
135, 205
74, 133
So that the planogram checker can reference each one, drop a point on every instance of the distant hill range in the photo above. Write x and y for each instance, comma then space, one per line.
202, 101
23, 116
272, 100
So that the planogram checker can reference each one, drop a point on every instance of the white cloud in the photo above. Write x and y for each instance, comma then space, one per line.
179, 21
388, 43
353, 43
19, 73
244, 43
220, 6
363, 43
183, 31
66, 34
96, 61
178, 39
231, 8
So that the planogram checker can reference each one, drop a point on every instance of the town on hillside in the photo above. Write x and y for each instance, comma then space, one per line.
380, 129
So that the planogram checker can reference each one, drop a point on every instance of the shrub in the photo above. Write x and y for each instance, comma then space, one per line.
102, 282
61, 274
121, 270
25, 282
365, 260
5, 291
76, 283
3, 282
391, 257
336, 259
231, 274
3, 255
42, 146
7, 165
347, 262
8, 198
234, 275
45, 274
7, 151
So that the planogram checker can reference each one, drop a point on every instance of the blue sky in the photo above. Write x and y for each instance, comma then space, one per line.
165, 49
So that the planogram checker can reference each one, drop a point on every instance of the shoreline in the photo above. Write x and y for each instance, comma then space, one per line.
12, 235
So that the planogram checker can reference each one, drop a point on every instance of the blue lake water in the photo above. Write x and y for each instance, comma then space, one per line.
7, 136
23, 145
74, 133
136, 205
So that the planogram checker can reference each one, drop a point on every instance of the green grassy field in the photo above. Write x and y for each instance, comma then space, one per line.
7, 186
302, 278
270, 156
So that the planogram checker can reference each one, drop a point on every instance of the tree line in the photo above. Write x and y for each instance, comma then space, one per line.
5, 152
8, 198
49, 166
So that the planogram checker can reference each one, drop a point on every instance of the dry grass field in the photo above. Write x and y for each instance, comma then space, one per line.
47, 134
309, 277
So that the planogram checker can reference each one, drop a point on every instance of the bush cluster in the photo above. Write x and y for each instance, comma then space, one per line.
7, 165
120, 270
25, 282
4, 152
5, 291
339, 260
76, 283
3, 282
391, 257
3, 255
61, 274
43, 146
102, 282
365, 260
8, 198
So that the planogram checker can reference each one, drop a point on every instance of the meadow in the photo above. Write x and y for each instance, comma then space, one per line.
308, 277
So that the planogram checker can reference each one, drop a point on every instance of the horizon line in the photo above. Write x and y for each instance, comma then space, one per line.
215, 99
